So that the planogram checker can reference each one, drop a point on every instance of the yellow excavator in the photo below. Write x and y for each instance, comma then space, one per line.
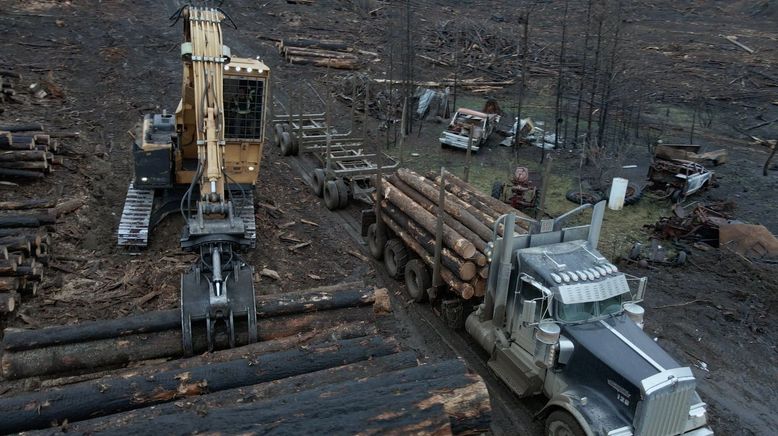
203, 161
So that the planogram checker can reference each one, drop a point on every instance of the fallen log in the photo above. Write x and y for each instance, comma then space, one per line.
317, 53
451, 238
340, 64
463, 289
8, 267
69, 206
27, 127
26, 204
255, 393
465, 270
24, 174
120, 393
9, 284
26, 165
17, 243
371, 403
327, 44
118, 351
268, 306
22, 155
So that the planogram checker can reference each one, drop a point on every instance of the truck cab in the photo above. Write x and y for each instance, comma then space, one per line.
560, 320
467, 123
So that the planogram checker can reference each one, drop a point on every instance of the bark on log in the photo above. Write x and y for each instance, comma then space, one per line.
7, 302
26, 127
26, 165
430, 206
340, 64
458, 209
26, 204
463, 289
69, 206
114, 352
465, 270
428, 221
17, 243
25, 174
443, 386
317, 53
320, 299
8, 267
19, 221
14, 143
22, 155
117, 394
9, 284
259, 392
313, 43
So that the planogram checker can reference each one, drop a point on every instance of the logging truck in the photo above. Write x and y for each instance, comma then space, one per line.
557, 318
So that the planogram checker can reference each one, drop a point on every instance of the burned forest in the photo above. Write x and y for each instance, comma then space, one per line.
388, 217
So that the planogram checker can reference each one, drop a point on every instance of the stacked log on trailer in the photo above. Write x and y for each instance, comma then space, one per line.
410, 209
320, 365
25, 246
27, 154
335, 54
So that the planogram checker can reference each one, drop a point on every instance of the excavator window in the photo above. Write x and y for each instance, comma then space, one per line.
243, 98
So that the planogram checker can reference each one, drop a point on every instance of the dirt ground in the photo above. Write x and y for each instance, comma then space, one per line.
114, 61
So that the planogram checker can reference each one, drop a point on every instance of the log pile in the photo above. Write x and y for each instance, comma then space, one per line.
335, 375
409, 210
25, 246
27, 155
321, 53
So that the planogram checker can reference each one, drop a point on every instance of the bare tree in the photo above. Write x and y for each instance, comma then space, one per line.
582, 82
560, 78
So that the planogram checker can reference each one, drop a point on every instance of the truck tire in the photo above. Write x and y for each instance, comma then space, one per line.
286, 144
561, 423
395, 258
375, 243
318, 179
632, 196
497, 190
279, 129
331, 195
583, 197
417, 280
343, 196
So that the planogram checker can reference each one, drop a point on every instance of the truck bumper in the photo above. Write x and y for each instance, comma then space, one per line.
457, 141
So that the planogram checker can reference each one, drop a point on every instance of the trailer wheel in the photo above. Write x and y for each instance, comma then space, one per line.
395, 258
583, 197
677, 196
374, 244
417, 279
331, 195
343, 196
561, 423
279, 129
286, 144
497, 190
318, 181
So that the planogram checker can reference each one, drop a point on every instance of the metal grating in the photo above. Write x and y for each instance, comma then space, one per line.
593, 291
243, 99
134, 224
664, 409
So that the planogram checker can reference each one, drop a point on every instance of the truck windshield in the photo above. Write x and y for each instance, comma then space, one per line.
586, 311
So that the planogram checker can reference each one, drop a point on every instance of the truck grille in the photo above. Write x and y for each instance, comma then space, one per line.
664, 409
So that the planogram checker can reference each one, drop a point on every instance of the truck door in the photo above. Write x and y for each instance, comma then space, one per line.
523, 335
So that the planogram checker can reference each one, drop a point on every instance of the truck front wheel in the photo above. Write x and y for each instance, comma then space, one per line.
561, 423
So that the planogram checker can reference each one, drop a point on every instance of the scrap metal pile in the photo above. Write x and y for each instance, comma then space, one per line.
319, 366
409, 209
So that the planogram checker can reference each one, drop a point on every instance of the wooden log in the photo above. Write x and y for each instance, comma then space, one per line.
26, 127
30, 288
259, 392
426, 203
464, 190
27, 204
8, 284
465, 270
461, 211
17, 243
24, 174
114, 352
17, 144
451, 238
116, 394
446, 386
69, 206
26, 165
31, 273
43, 216
339, 64
317, 53
268, 306
8, 267
22, 155
7, 302
463, 289
331, 44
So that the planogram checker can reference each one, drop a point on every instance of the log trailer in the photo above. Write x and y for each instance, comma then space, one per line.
559, 319
203, 162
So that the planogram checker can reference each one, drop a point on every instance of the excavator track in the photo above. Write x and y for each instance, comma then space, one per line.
134, 225
245, 210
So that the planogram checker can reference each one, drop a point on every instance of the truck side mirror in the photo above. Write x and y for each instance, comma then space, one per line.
528, 312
